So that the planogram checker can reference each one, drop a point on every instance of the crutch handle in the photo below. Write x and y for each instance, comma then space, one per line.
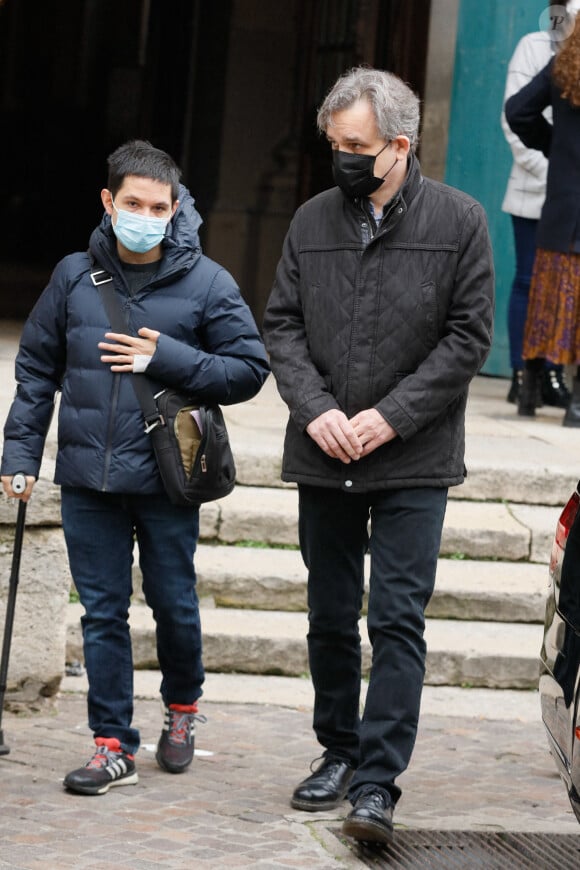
19, 483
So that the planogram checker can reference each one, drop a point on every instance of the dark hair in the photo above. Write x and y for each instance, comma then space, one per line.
141, 158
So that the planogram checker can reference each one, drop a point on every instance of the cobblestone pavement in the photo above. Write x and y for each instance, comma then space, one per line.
231, 808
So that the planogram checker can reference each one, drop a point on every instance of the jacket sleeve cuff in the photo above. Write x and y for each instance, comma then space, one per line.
312, 408
397, 417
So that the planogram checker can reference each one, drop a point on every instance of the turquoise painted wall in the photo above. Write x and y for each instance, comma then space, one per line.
478, 156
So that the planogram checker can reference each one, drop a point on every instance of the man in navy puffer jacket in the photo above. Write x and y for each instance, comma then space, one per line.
189, 329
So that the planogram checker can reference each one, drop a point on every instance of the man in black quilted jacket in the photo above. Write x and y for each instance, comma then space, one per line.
188, 329
380, 315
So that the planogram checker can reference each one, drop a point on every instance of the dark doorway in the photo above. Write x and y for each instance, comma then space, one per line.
388, 34
78, 78
330, 36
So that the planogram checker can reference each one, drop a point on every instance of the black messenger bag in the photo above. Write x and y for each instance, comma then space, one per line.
190, 439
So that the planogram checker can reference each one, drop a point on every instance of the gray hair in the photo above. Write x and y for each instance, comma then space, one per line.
395, 106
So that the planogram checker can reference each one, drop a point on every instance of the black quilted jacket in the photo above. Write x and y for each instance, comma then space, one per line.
400, 321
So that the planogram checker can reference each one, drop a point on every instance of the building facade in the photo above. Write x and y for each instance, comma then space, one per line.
230, 88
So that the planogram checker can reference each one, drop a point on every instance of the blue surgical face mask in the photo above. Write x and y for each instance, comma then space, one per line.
138, 233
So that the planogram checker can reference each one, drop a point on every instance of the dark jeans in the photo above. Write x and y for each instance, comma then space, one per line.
99, 529
404, 542
525, 249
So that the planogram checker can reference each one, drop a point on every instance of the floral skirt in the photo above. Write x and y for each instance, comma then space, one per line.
553, 317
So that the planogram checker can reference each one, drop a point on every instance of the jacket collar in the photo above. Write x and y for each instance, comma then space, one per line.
413, 181
397, 207
406, 192
410, 186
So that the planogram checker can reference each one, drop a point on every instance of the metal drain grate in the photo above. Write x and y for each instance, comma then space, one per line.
471, 850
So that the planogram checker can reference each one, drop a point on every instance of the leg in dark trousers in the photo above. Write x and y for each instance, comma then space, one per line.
406, 528
333, 539
404, 545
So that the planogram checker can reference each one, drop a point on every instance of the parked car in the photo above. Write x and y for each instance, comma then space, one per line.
560, 655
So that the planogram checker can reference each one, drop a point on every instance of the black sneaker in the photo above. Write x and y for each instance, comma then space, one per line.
176, 744
109, 766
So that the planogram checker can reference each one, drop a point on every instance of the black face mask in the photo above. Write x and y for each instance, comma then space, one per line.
354, 173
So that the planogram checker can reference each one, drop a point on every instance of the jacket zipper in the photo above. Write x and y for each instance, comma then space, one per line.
366, 228
112, 415
367, 236
110, 429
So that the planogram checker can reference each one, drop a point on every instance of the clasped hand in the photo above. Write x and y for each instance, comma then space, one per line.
352, 439
121, 349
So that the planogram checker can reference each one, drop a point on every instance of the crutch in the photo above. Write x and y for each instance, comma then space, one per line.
18, 485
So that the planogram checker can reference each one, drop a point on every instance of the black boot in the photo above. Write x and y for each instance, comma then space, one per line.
572, 415
515, 387
528, 398
554, 389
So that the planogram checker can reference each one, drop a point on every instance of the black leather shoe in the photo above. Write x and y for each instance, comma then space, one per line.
371, 820
325, 789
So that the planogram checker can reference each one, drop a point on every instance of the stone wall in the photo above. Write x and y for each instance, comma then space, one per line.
37, 655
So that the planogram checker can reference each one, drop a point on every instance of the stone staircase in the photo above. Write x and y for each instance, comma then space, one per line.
484, 624
484, 621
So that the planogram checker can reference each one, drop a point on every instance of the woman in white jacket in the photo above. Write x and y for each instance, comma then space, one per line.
524, 198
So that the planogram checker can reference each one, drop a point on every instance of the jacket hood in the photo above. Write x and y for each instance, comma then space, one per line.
184, 227
181, 245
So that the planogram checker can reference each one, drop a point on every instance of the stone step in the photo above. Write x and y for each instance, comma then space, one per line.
269, 516
509, 458
499, 470
479, 654
298, 693
478, 530
275, 579
472, 529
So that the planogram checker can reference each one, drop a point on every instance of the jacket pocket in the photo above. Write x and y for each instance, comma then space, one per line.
429, 297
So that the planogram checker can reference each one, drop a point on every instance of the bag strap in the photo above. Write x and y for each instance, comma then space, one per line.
106, 286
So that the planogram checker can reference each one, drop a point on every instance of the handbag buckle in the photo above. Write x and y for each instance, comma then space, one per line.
152, 423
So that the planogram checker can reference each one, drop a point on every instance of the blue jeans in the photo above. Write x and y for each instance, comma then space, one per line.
525, 250
404, 543
99, 530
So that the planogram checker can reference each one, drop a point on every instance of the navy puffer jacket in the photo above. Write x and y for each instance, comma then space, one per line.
209, 347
